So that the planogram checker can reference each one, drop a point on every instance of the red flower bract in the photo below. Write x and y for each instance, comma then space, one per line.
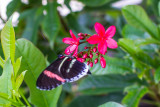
74, 42
103, 38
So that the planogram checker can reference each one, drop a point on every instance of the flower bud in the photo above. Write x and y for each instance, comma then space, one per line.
80, 34
81, 37
81, 53
96, 60
97, 54
88, 62
85, 55
85, 34
103, 62
91, 55
94, 49
91, 64
85, 47
81, 59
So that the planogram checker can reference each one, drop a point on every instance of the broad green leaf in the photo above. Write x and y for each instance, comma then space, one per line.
95, 101
1, 62
136, 16
113, 66
141, 42
34, 62
26, 13
8, 40
34, 19
111, 104
51, 23
157, 75
93, 85
134, 96
130, 47
5, 81
94, 3
16, 65
107, 6
154, 8
13, 6
132, 32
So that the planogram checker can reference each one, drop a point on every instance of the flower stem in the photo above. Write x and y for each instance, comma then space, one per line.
11, 100
24, 98
19, 100
82, 42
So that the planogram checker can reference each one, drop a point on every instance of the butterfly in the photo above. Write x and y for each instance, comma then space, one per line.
64, 69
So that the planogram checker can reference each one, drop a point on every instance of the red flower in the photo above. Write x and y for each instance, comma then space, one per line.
103, 38
74, 42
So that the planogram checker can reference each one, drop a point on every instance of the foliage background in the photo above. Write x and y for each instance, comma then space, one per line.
130, 71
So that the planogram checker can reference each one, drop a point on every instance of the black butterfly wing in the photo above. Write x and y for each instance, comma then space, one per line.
51, 78
72, 70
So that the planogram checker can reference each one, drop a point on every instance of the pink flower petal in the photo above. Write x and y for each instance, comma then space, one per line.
102, 47
70, 49
72, 35
75, 52
110, 32
94, 39
99, 29
103, 62
111, 43
69, 40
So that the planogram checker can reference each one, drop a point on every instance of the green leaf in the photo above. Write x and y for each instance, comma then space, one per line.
141, 42
134, 96
157, 75
93, 85
113, 66
16, 65
95, 101
34, 62
1, 62
75, 26
66, 2
34, 19
136, 16
130, 47
51, 23
8, 40
111, 104
94, 3
132, 32
5, 81
19, 80
6, 97
12, 7
159, 8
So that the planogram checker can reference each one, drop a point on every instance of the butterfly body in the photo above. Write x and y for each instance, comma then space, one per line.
63, 69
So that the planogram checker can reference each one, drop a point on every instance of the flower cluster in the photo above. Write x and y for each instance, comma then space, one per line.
100, 41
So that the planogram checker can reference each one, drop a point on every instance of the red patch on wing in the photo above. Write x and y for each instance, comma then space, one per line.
52, 75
